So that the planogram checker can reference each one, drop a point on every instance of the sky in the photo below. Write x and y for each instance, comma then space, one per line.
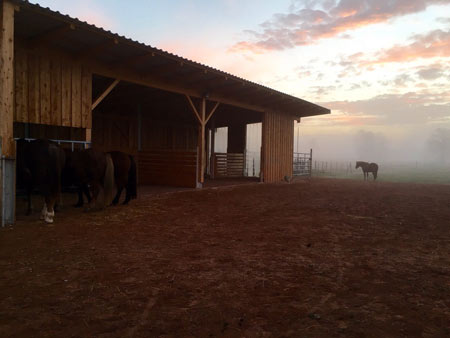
381, 66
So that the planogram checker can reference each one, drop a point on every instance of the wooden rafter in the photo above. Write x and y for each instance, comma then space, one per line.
105, 93
160, 83
135, 59
202, 83
51, 34
97, 48
161, 70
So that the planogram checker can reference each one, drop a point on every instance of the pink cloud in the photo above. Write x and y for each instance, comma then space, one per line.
324, 19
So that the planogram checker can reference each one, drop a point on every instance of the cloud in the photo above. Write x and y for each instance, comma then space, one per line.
433, 44
431, 73
395, 109
311, 20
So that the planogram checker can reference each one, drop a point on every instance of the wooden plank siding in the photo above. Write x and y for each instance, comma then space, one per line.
277, 147
163, 167
52, 89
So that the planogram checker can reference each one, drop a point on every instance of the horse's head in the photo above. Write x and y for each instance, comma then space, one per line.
358, 164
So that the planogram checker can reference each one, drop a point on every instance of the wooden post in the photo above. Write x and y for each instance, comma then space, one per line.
139, 127
202, 118
88, 137
202, 141
7, 78
213, 143
7, 145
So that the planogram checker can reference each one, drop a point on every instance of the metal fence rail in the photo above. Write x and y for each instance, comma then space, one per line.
84, 144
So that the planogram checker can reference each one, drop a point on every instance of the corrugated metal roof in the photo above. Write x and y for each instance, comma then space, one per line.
33, 13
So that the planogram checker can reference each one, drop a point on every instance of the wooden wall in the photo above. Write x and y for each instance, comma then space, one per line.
119, 131
277, 147
51, 89
169, 152
166, 167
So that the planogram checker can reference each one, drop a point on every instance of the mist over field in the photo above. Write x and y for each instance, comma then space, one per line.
431, 145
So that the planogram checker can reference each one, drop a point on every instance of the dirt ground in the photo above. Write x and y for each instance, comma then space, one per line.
313, 258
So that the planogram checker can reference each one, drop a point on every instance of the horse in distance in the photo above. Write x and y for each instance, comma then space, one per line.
368, 168
39, 165
124, 176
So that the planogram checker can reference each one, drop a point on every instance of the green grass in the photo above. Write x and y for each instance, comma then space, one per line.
434, 175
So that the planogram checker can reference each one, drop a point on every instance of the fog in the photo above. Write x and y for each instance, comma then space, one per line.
424, 145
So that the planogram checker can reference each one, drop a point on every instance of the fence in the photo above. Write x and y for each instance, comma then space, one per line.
333, 167
73, 144
229, 164
302, 164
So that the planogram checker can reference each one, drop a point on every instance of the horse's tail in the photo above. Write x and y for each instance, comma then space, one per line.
132, 179
108, 180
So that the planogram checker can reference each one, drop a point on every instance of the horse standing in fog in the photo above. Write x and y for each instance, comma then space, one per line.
368, 168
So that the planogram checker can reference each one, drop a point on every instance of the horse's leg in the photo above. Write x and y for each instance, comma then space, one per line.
127, 197
87, 193
117, 198
50, 201
29, 204
95, 187
80, 197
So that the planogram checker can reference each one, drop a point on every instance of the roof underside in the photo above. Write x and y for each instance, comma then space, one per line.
38, 25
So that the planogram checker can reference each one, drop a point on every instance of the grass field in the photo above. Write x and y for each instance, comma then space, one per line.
407, 173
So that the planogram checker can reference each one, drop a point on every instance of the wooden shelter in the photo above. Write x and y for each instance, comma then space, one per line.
62, 78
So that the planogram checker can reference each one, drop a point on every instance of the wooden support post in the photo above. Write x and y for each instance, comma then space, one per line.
213, 142
139, 127
202, 141
88, 137
7, 78
7, 145
202, 118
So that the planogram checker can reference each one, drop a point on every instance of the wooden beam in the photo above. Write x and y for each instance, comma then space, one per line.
162, 70
212, 111
49, 35
194, 109
91, 51
7, 79
132, 60
202, 83
105, 93
202, 141
154, 81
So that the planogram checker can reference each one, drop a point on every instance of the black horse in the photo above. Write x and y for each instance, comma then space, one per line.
39, 165
90, 170
124, 176
368, 168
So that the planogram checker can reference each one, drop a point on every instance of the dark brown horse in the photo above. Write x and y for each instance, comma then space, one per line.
39, 165
90, 170
124, 176
368, 168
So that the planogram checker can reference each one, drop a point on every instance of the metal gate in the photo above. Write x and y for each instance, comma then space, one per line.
302, 164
